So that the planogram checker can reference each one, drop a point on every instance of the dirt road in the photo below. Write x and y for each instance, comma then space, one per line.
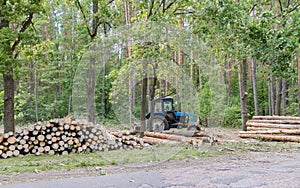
253, 169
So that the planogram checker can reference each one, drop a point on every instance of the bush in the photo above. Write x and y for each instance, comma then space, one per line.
232, 117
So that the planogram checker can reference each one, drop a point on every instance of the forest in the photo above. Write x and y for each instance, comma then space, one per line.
224, 60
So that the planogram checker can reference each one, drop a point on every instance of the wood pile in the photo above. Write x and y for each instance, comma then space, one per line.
273, 128
64, 136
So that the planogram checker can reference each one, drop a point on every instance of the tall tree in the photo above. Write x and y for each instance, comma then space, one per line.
242, 74
15, 19
93, 33
255, 97
298, 85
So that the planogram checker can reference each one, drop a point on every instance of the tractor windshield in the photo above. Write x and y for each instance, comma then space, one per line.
168, 105
158, 107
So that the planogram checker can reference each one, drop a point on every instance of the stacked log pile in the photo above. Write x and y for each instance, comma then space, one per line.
273, 128
64, 136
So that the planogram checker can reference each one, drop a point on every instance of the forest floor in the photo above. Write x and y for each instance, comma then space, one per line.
232, 160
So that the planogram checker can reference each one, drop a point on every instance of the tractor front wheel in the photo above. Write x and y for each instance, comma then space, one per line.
159, 124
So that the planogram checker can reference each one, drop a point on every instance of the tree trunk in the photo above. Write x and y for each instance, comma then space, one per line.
299, 85
128, 54
152, 96
8, 81
253, 67
143, 105
229, 75
91, 90
293, 89
8, 86
92, 71
278, 96
148, 92
192, 67
199, 77
35, 93
242, 75
180, 50
272, 94
269, 98
284, 96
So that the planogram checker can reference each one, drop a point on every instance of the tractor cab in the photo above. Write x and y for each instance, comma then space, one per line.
164, 104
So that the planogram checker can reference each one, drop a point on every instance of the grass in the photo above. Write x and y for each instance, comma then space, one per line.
32, 163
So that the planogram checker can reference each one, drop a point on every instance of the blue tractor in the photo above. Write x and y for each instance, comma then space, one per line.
165, 117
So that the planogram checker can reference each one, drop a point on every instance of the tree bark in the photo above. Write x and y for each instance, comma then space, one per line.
143, 105
229, 74
278, 96
269, 98
199, 77
152, 96
272, 93
35, 93
284, 96
8, 82
8, 85
192, 67
299, 85
293, 88
242, 75
253, 67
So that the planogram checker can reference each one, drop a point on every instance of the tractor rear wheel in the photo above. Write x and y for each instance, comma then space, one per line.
159, 124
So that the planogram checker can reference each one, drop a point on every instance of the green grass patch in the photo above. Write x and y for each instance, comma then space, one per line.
32, 163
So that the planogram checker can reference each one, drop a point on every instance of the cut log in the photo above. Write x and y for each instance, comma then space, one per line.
169, 137
258, 128
184, 132
273, 131
272, 125
11, 140
275, 121
276, 117
9, 153
41, 138
16, 153
72, 127
153, 141
66, 127
272, 137
12, 147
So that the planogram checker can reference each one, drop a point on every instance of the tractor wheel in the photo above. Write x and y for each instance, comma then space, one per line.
159, 124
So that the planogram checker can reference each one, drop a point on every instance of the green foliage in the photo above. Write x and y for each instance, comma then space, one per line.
232, 117
205, 101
